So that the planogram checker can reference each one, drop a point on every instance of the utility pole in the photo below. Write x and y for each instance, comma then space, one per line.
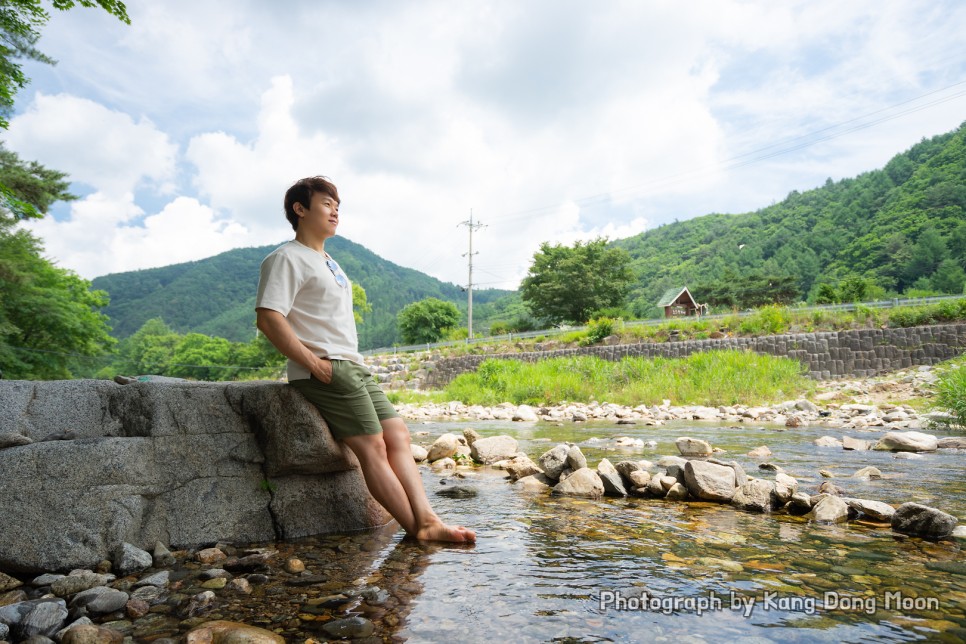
469, 287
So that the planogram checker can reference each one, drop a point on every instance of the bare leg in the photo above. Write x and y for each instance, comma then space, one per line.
400, 455
393, 480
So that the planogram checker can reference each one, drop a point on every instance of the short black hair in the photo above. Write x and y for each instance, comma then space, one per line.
301, 192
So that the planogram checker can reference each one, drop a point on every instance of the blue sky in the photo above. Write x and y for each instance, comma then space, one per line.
551, 120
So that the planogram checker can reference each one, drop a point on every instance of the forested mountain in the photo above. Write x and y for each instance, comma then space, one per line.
899, 228
216, 296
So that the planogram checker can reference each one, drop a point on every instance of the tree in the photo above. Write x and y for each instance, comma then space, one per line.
202, 357
949, 277
427, 320
50, 320
19, 24
149, 350
360, 303
571, 284
928, 252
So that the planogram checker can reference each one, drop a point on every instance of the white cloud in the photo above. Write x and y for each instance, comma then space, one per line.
554, 121
100, 236
97, 146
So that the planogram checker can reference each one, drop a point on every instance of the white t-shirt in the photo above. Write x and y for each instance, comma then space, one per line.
295, 281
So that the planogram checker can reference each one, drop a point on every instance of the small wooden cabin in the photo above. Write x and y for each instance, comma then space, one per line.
678, 302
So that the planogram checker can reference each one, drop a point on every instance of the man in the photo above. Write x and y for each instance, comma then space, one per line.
304, 308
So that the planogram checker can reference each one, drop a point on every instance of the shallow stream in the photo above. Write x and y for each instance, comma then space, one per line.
573, 570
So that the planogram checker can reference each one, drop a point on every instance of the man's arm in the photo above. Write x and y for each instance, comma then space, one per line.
279, 332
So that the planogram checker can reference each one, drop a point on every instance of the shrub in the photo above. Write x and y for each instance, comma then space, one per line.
951, 396
599, 329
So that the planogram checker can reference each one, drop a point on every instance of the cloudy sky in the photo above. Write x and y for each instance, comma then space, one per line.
550, 120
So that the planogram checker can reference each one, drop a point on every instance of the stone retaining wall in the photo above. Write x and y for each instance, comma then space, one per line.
827, 355
86, 465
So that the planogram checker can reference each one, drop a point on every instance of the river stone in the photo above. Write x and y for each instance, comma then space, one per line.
907, 456
521, 466
456, 490
129, 559
91, 634
575, 458
100, 600
45, 579
806, 405
655, 488
923, 521
757, 495
161, 579
470, 435
150, 594
830, 509
787, 481
693, 446
827, 441
79, 581
875, 510
710, 481
951, 442
584, 482
624, 468
225, 632
868, 472
907, 442
419, 452
43, 617
444, 447
525, 414
740, 477
8, 583
677, 492
855, 444
492, 449
609, 476
553, 461
670, 461
760, 452
639, 478
536, 483
799, 504
350, 628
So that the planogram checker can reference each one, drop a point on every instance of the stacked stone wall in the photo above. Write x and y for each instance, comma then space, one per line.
826, 355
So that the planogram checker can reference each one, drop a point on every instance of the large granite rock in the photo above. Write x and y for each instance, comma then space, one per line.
180, 463
923, 521
710, 481
907, 442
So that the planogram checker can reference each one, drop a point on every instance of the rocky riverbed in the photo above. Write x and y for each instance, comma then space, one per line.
340, 586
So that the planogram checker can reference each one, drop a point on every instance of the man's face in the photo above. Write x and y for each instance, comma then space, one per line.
322, 215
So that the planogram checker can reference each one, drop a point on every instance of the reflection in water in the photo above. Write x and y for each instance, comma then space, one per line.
543, 566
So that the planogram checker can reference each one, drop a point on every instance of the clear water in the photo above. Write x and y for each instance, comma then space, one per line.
550, 568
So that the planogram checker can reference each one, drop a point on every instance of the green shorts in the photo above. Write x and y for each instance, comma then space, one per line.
352, 404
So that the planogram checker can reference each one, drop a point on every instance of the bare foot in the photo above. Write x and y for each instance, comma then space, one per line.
442, 532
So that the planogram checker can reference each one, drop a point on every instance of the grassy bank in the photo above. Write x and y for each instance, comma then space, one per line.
710, 378
951, 393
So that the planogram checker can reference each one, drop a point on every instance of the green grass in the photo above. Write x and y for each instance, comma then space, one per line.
708, 378
951, 393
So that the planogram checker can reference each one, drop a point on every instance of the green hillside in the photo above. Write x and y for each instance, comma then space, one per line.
216, 296
899, 228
